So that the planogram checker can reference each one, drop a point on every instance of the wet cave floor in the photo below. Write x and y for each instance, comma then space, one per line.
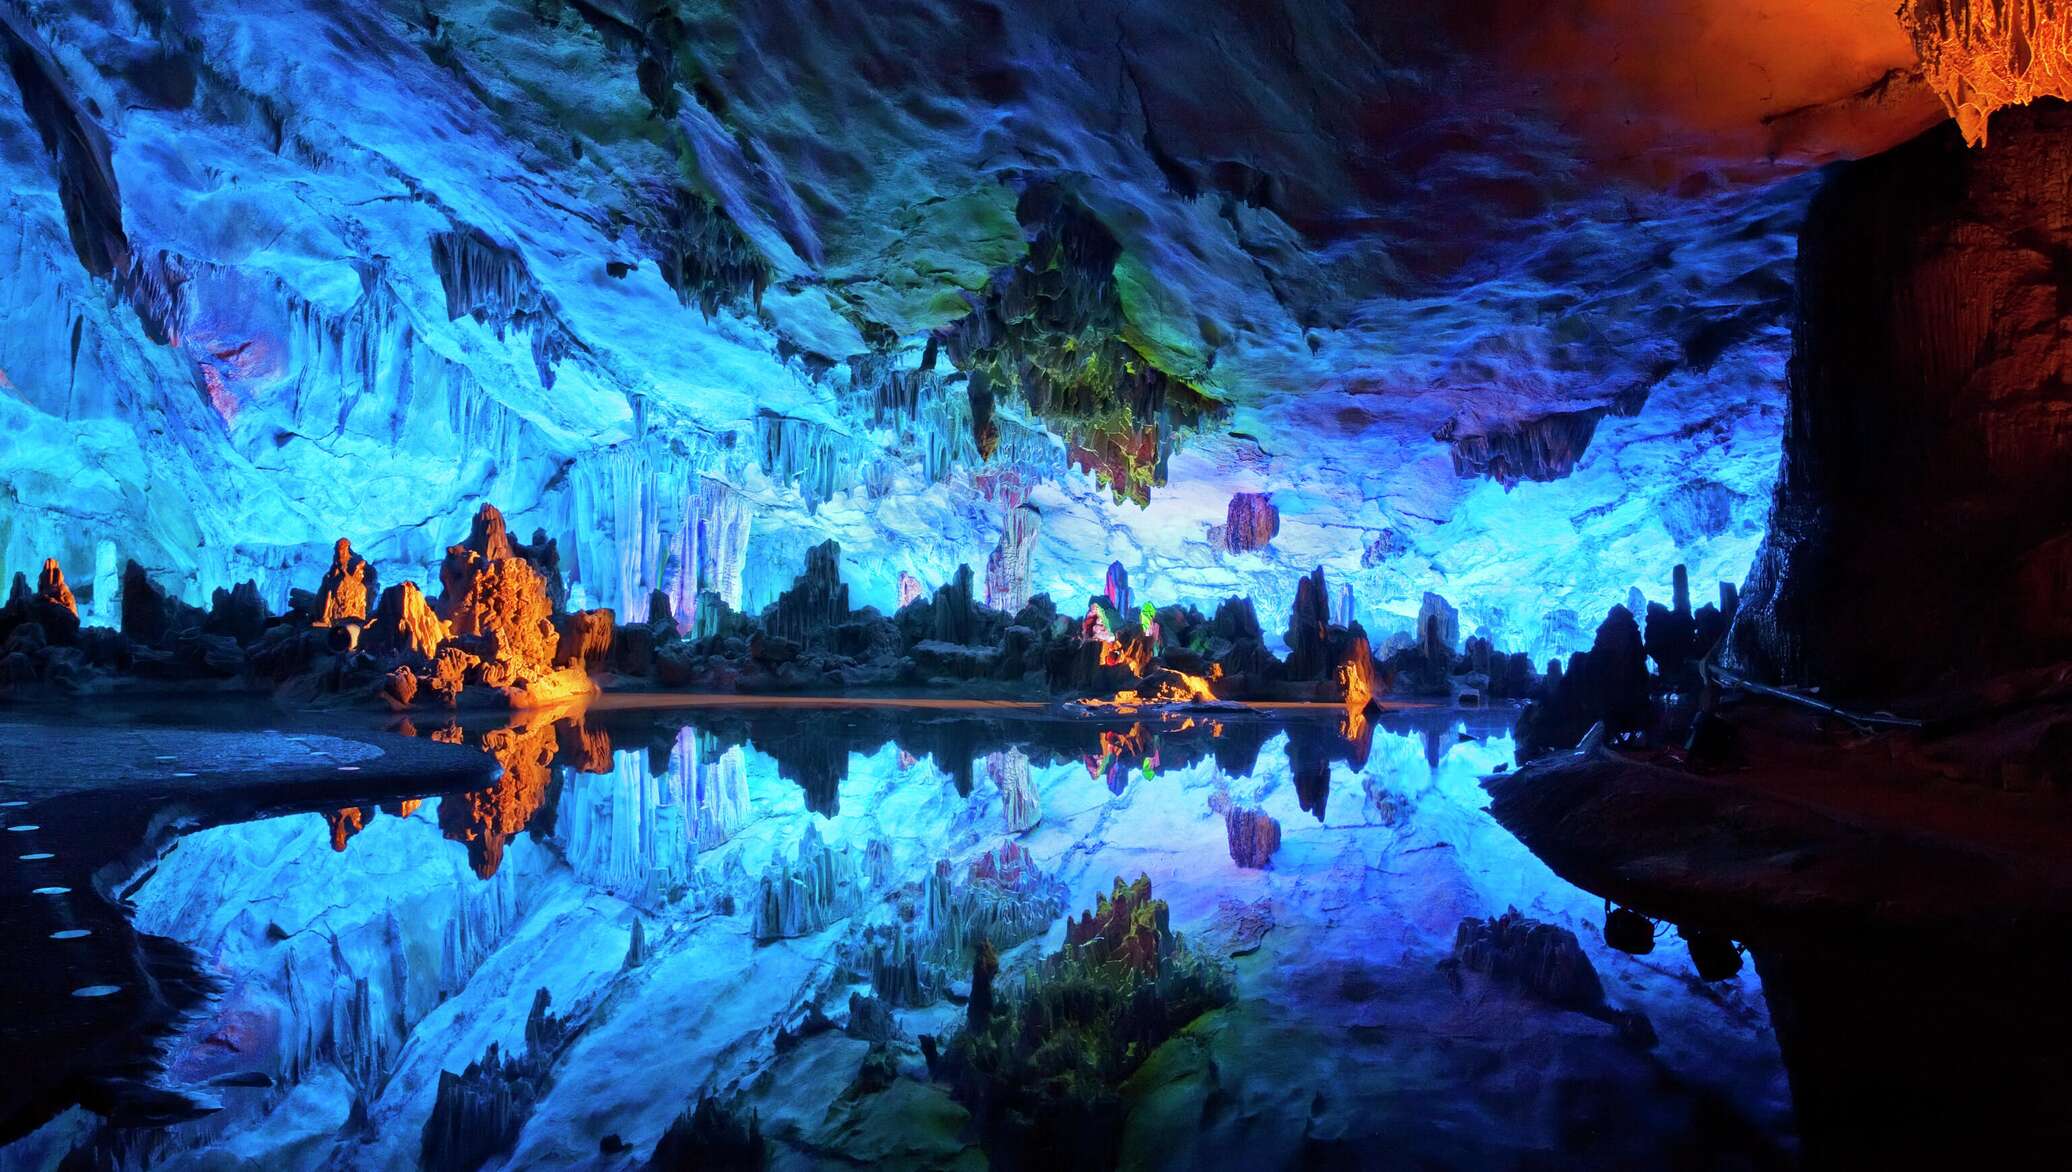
650, 900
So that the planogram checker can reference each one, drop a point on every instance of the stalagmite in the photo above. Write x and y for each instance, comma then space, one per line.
818, 598
51, 588
405, 624
1117, 589
1254, 836
348, 588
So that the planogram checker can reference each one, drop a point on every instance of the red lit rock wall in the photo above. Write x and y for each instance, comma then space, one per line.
1922, 529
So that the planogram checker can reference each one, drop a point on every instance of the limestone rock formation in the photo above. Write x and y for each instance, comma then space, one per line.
585, 640
804, 894
1981, 57
711, 1135
1251, 522
238, 612
1254, 836
1927, 477
1541, 959
405, 624
818, 598
1008, 566
1126, 928
1607, 683
478, 1113
51, 588
1309, 629
348, 589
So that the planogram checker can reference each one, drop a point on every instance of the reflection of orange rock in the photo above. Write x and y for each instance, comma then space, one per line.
345, 823
348, 588
486, 819
50, 587
1117, 745
349, 821
584, 747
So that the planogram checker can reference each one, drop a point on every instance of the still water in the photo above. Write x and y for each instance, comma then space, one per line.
774, 906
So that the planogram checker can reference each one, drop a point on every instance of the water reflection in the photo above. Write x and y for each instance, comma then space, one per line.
782, 908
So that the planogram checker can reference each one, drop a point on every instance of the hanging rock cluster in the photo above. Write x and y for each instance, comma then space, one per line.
1050, 330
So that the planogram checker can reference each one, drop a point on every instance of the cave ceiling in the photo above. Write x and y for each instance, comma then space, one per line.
1485, 295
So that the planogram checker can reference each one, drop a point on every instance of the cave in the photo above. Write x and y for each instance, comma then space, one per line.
977, 583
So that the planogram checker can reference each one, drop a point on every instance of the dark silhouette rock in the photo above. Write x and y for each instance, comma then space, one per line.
1921, 532
1543, 960
817, 600
711, 1137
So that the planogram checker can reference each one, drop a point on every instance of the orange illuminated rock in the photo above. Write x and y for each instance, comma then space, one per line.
585, 640
487, 819
51, 588
1983, 55
505, 601
348, 588
404, 623
1356, 672
1737, 89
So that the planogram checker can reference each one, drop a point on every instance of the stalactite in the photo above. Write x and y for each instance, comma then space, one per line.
1983, 55
1540, 449
490, 283
803, 452
1050, 330
650, 515
702, 253
1010, 567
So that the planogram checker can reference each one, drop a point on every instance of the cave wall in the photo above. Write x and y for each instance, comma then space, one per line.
1922, 527
665, 281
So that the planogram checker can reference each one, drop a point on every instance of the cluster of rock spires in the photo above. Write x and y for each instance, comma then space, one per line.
492, 633
1003, 899
1040, 1066
500, 633
1610, 683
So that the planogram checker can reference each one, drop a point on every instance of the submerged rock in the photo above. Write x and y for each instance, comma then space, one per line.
1254, 837
1540, 959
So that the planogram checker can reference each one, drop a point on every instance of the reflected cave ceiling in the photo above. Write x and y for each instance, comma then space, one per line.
1491, 299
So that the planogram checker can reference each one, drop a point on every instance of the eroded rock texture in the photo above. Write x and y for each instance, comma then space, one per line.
1922, 530
1985, 55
